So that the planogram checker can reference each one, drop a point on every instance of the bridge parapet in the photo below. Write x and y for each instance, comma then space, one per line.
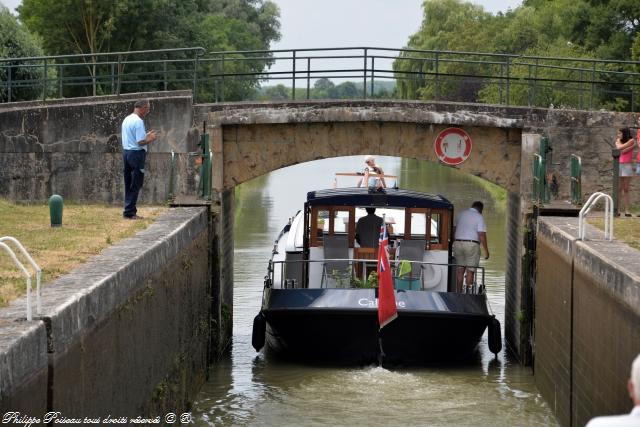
374, 72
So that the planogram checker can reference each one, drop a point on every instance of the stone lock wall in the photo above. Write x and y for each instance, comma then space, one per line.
125, 334
587, 321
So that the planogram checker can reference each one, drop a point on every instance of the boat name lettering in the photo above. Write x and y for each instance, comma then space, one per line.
366, 302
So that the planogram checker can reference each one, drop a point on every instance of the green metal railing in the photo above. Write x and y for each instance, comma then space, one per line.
576, 180
415, 74
540, 192
113, 73
204, 191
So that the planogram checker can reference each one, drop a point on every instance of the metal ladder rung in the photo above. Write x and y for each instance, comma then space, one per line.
25, 272
608, 216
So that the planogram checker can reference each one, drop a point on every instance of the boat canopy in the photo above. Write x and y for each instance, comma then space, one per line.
395, 197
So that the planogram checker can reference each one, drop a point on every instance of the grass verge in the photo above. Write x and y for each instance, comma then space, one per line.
624, 229
86, 230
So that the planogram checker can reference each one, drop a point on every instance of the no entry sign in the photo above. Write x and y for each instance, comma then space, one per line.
453, 146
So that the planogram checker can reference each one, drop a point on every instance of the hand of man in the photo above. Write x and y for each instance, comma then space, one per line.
151, 136
486, 255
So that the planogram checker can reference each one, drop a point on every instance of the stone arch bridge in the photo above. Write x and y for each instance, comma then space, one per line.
253, 139
71, 148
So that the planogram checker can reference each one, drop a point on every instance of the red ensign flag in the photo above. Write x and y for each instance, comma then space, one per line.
387, 310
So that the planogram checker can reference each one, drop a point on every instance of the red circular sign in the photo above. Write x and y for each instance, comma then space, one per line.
453, 146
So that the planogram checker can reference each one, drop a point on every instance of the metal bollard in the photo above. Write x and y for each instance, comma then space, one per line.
55, 210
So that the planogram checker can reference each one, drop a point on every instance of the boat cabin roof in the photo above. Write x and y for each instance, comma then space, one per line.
395, 197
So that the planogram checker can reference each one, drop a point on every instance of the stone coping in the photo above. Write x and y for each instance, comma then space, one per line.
363, 111
82, 298
92, 100
613, 264
419, 111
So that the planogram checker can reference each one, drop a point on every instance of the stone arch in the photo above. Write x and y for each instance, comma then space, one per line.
249, 142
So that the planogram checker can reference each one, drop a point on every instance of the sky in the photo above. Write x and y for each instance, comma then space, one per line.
333, 23
348, 23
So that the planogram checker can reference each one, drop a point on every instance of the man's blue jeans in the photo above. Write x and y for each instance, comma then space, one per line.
133, 179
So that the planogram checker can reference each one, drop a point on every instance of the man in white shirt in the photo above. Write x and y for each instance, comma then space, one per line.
628, 420
469, 231
134, 149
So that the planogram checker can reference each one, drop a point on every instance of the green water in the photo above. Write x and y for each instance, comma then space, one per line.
247, 389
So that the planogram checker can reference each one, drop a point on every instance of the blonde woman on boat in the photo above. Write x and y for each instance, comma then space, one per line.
372, 180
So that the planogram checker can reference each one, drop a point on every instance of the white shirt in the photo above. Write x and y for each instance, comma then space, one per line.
628, 420
468, 224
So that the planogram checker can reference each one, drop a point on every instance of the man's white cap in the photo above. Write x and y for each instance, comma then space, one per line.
368, 158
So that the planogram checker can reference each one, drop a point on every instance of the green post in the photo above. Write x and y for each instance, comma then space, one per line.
576, 180
615, 153
205, 168
55, 210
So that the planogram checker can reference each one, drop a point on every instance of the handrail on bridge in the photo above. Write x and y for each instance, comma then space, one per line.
608, 216
102, 72
448, 75
26, 273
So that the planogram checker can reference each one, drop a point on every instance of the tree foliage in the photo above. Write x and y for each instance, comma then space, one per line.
16, 42
324, 88
96, 26
602, 29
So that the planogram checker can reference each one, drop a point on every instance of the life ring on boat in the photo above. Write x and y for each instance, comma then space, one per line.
433, 280
495, 336
259, 331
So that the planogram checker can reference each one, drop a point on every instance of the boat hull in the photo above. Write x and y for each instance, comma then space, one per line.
341, 325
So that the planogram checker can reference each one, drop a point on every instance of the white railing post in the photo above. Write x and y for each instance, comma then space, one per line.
26, 274
35, 266
608, 215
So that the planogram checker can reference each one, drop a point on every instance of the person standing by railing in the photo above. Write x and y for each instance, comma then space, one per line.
638, 142
134, 145
625, 143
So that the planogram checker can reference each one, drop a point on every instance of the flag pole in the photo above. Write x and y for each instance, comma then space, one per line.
387, 309
381, 354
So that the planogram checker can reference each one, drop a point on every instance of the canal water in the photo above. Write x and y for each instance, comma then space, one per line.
248, 389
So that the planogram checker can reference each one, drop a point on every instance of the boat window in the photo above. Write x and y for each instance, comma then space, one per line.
436, 221
431, 225
321, 223
418, 225
331, 220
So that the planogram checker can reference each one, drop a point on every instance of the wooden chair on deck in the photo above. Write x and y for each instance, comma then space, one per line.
363, 268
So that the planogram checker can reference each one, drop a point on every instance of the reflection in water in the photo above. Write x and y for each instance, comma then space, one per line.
248, 389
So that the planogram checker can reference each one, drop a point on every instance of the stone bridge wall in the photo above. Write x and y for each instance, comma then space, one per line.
73, 148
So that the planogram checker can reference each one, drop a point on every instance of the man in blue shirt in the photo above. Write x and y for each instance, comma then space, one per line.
134, 145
